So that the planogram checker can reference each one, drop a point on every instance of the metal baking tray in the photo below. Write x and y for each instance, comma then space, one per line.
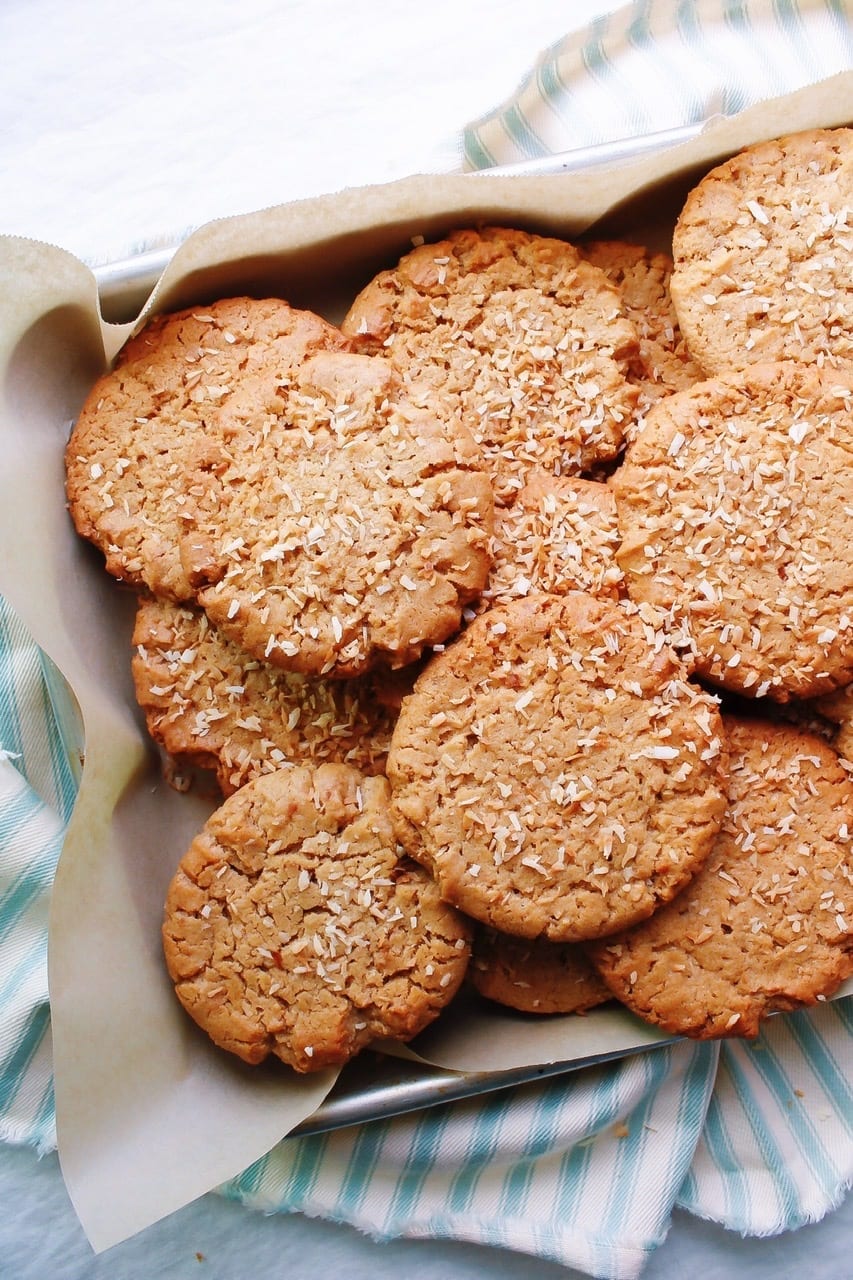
374, 1085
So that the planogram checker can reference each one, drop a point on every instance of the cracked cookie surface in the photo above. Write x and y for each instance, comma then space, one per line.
736, 521
560, 534
555, 770
294, 927
663, 362
767, 924
525, 339
351, 530
763, 253
210, 705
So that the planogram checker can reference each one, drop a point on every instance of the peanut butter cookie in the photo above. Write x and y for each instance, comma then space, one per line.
763, 255
209, 704
555, 770
518, 333
533, 975
153, 432
736, 518
293, 927
351, 531
767, 924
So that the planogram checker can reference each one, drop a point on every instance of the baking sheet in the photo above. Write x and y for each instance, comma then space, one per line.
149, 1114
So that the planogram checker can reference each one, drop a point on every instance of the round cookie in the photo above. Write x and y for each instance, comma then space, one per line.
151, 434
533, 975
735, 513
560, 534
208, 704
293, 928
555, 771
767, 924
763, 255
351, 531
520, 334
642, 277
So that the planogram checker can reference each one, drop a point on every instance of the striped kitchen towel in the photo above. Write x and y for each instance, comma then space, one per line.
776, 1149
658, 65
584, 1169
36, 796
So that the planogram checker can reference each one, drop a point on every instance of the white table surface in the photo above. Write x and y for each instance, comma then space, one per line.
123, 127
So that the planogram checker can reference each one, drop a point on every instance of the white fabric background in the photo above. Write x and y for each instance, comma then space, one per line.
123, 127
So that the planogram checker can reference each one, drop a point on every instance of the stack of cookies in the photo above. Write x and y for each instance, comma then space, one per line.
504, 616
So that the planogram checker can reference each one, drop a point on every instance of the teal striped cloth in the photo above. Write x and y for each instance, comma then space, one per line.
660, 64
37, 793
583, 1169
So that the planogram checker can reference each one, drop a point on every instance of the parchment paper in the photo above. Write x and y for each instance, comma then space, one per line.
149, 1114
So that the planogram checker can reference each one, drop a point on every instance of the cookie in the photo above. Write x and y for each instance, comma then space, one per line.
560, 534
521, 335
767, 924
555, 771
534, 976
208, 704
350, 532
736, 520
663, 362
763, 255
293, 928
153, 431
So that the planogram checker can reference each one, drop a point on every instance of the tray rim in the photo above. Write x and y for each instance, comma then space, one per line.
142, 270
414, 1085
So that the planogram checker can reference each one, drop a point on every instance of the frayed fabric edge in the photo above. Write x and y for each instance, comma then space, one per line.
623, 1261
15, 1135
806, 1218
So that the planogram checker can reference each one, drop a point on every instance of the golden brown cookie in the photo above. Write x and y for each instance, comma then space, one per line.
763, 255
560, 534
734, 505
520, 334
663, 362
293, 927
767, 924
153, 432
351, 531
207, 703
533, 975
555, 770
